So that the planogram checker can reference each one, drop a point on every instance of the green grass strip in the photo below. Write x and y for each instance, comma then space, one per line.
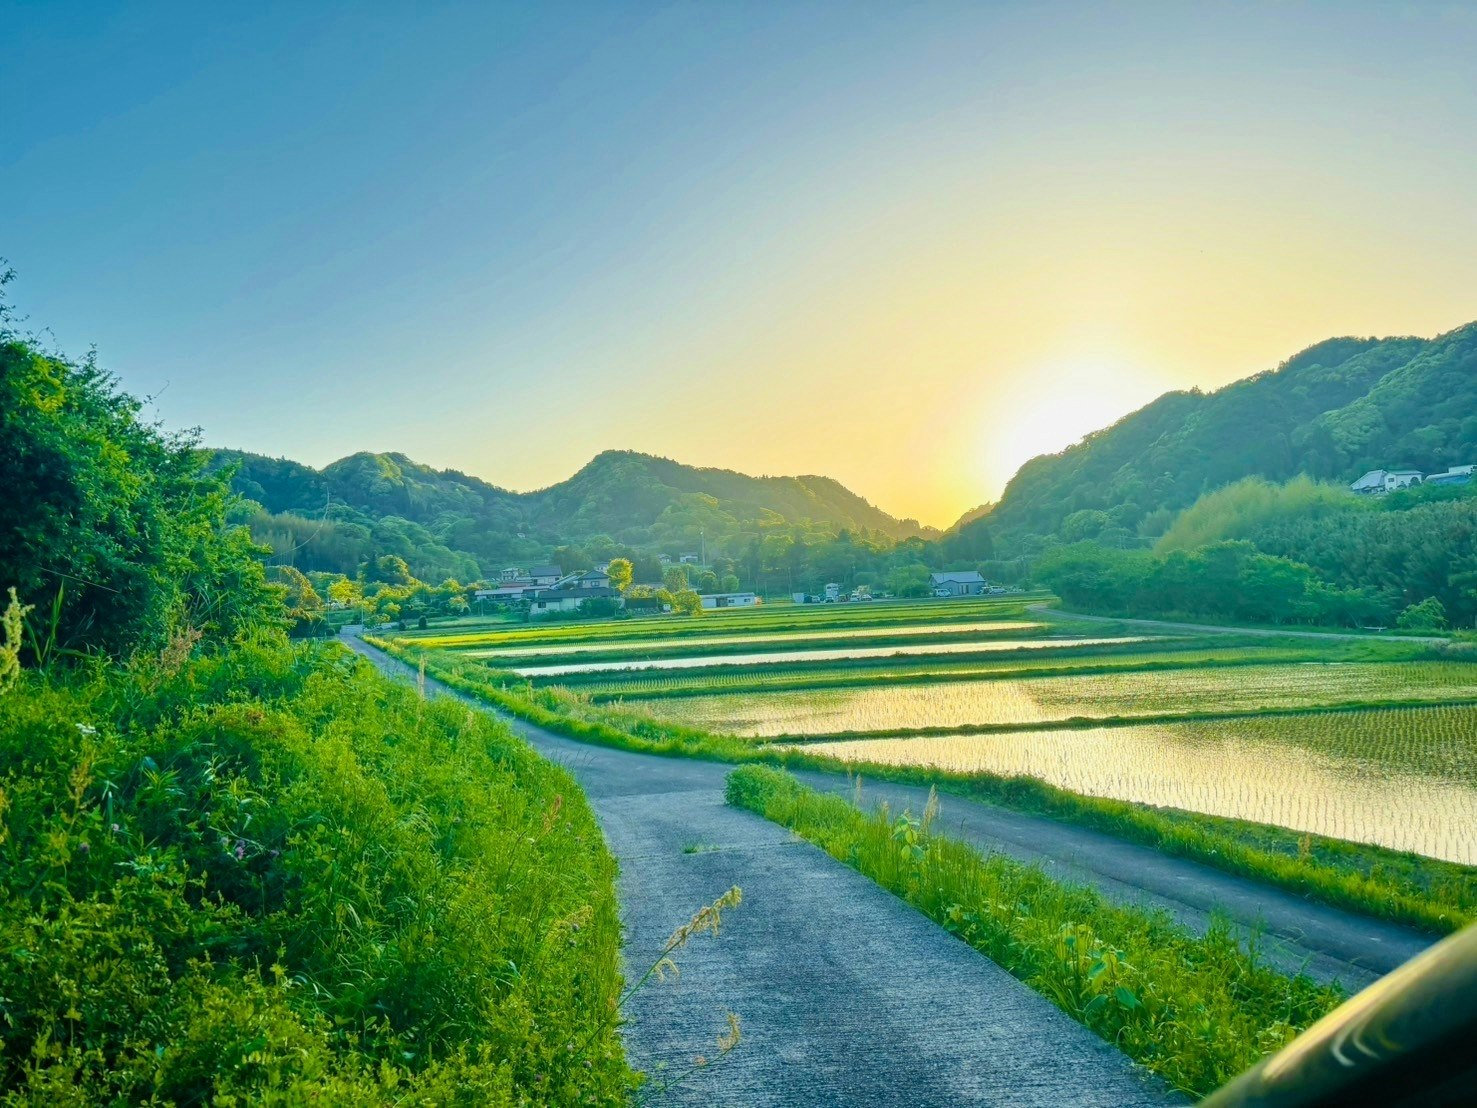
1425, 893
1194, 1010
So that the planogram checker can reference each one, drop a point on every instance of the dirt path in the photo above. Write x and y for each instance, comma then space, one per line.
847, 995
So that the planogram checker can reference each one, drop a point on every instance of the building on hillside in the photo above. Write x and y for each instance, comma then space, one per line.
545, 576
957, 583
690, 559
730, 599
594, 579
550, 601
512, 573
1455, 475
1377, 482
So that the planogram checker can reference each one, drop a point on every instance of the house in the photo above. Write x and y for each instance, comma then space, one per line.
550, 601
1377, 482
958, 583
545, 576
503, 593
512, 573
595, 579
689, 559
1455, 475
730, 599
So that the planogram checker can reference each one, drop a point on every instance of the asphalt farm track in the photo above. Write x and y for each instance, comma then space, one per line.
849, 996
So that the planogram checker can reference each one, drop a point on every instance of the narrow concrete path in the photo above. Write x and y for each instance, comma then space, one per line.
1293, 933
846, 995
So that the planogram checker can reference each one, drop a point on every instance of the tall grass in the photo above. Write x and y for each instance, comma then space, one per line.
269, 875
1420, 892
1196, 1011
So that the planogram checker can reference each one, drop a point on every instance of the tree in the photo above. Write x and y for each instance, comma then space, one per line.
910, 580
675, 578
707, 581
1428, 615
118, 524
687, 603
730, 583
621, 573
389, 569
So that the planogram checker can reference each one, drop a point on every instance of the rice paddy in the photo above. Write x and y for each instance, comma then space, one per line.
1404, 778
1370, 741
1229, 689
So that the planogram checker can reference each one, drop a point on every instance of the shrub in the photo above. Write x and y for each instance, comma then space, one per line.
270, 874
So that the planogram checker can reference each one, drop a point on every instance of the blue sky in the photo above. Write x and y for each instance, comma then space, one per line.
904, 245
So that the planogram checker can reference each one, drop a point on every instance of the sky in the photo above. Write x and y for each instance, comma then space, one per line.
905, 245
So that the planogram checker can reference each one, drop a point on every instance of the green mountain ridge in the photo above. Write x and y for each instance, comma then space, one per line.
1333, 411
449, 523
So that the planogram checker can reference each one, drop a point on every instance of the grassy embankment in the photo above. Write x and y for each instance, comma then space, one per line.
269, 875
1420, 892
1195, 1010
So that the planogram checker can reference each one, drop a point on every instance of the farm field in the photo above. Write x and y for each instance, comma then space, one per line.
1402, 778
1371, 741
1040, 699
974, 645
778, 638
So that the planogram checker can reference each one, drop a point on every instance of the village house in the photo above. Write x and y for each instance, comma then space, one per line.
551, 601
594, 579
1455, 475
730, 599
1377, 482
958, 583
545, 575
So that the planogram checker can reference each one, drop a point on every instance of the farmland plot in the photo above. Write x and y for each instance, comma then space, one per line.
1401, 778
1035, 700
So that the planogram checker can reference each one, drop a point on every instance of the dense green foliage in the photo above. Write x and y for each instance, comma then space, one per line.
1299, 552
109, 529
238, 871
1195, 1010
1421, 892
444, 523
269, 874
1332, 412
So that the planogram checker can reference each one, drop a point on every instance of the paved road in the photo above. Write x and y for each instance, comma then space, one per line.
1209, 628
847, 996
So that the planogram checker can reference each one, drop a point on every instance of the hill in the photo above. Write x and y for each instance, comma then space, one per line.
1333, 411
448, 523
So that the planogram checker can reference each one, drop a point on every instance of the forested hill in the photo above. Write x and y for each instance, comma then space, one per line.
454, 524
1334, 411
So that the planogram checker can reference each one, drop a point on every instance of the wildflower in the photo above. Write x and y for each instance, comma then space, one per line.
115, 828
240, 851
87, 730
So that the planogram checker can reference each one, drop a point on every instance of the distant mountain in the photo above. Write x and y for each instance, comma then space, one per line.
1334, 411
455, 524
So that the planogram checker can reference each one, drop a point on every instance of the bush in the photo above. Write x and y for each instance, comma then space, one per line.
270, 874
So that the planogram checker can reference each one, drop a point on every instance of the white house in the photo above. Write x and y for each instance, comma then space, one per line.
512, 573
1380, 481
595, 579
957, 583
564, 600
545, 575
504, 592
730, 599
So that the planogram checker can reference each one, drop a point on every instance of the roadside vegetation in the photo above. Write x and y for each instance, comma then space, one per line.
1195, 1011
237, 870
1421, 892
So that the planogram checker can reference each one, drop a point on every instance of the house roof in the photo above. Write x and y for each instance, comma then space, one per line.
573, 594
595, 575
546, 571
960, 577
